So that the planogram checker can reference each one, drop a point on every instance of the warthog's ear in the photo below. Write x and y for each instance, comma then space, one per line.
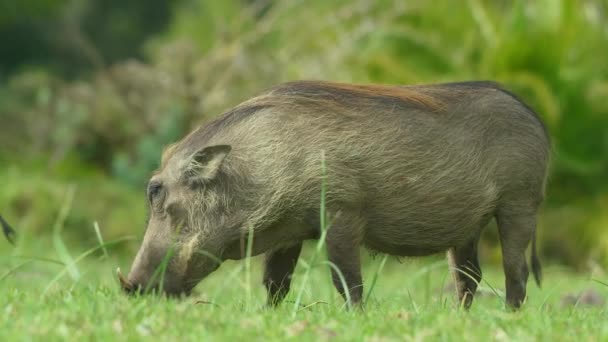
206, 163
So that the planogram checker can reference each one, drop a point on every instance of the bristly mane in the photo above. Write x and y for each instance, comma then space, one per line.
334, 96
354, 94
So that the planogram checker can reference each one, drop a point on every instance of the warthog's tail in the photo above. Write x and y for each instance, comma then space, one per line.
8, 231
535, 262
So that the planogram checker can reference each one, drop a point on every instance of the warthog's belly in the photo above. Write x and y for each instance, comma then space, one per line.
404, 249
419, 239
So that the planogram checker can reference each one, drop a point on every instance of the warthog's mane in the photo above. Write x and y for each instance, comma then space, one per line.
339, 97
316, 93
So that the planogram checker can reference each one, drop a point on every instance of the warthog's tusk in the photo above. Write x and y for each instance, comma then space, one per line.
124, 283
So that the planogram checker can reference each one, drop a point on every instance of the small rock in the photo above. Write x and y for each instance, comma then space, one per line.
501, 335
248, 323
588, 298
326, 333
450, 287
568, 300
117, 326
296, 328
376, 338
143, 330
404, 315
63, 330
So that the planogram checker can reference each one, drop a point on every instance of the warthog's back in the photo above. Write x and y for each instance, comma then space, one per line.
427, 166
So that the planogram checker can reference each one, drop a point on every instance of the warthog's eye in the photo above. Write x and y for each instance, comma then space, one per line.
175, 211
154, 188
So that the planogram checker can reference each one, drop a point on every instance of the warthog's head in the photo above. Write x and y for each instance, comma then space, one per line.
188, 209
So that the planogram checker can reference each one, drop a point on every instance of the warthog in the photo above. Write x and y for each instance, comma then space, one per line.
409, 171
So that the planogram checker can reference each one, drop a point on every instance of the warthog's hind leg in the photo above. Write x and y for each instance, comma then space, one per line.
465, 268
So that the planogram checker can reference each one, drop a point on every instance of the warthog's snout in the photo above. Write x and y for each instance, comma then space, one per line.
133, 287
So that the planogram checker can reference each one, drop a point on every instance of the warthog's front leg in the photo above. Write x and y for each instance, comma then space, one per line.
279, 266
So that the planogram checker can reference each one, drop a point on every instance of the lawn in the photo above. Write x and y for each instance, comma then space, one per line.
411, 300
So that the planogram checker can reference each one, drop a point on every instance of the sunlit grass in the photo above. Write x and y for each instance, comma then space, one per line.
410, 300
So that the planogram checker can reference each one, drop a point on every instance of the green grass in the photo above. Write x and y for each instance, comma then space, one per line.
57, 133
409, 302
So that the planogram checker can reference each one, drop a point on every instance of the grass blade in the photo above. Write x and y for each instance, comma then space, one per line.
248, 264
33, 258
345, 288
58, 243
320, 243
375, 277
82, 257
100, 239
12, 270
599, 282
9, 232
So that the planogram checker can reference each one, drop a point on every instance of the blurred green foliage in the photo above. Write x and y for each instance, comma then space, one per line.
197, 58
74, 37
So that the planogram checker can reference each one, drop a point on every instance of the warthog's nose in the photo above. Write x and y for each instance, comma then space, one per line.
133, 286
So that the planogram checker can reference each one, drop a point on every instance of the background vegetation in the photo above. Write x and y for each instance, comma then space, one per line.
91, 90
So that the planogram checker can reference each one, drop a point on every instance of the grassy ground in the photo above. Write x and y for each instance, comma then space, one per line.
410, 301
